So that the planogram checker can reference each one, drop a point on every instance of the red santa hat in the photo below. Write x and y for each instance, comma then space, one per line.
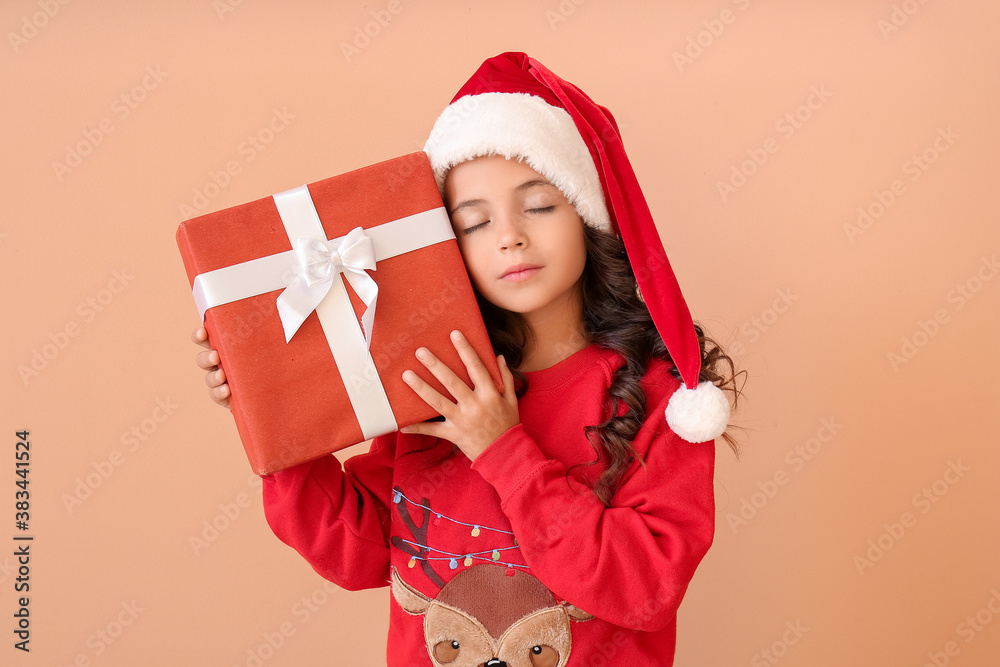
515, 107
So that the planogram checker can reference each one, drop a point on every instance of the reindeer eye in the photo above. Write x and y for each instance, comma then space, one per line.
544, 656
446, 651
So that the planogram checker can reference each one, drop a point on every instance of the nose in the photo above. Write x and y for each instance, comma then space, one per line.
495, 662
511, 234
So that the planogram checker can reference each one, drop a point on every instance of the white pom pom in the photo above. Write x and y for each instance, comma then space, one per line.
700, 414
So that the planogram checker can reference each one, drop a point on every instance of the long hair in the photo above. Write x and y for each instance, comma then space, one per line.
615, 317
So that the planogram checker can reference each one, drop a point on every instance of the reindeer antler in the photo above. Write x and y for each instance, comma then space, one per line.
419, 535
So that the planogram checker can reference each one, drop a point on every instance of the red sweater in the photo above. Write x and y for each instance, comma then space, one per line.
512, 556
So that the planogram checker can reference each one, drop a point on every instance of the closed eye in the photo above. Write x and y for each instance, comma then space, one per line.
473, 228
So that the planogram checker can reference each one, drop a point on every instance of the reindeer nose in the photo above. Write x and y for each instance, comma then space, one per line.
495, 662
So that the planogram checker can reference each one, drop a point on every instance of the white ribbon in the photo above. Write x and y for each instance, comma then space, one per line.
318, 263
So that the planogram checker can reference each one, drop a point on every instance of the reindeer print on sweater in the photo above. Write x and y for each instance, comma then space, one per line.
485, 617
488, 614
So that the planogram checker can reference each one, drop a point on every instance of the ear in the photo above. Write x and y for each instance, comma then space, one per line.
576, 613
411, 600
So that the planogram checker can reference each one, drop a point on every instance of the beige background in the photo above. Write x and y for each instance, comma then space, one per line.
812, 303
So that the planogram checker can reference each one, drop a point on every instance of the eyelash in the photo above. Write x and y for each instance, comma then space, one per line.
470, 230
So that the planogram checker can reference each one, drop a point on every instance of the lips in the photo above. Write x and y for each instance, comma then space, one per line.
520, 271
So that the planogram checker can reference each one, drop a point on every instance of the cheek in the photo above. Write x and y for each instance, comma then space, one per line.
475, 262
581, 254
575, 250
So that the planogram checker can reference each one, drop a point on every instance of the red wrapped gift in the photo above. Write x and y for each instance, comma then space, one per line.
316, 365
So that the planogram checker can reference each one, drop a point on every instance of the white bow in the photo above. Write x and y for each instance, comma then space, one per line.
318, 263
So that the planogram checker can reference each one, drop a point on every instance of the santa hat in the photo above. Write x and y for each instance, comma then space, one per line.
515, 107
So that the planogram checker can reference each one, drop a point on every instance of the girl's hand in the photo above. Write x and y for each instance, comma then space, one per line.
481, 414
208, 360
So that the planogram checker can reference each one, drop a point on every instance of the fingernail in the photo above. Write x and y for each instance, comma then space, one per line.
456, 335
421, 353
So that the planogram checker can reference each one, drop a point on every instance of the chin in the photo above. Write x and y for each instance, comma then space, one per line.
512, 306
523, 306
534, 299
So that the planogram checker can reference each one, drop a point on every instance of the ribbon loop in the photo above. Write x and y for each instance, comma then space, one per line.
317, 264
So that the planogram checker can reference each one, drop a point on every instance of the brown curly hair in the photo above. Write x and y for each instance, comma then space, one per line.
615, 317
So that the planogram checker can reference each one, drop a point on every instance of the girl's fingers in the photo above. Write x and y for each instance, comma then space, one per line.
430, 395
477, 371
432, 429
454, 384
215, 379
207, 360
220, 395
200, 336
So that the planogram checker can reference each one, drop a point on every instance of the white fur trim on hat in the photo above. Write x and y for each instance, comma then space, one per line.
524, 126
700, 414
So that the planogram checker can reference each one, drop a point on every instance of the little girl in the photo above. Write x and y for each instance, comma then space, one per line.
560, 522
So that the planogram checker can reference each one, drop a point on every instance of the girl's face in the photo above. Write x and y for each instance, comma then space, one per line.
521, 240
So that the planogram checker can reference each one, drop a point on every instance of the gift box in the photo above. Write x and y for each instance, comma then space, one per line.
316, 299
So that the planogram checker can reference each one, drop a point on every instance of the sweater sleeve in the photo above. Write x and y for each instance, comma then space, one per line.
628, 564
335, 516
